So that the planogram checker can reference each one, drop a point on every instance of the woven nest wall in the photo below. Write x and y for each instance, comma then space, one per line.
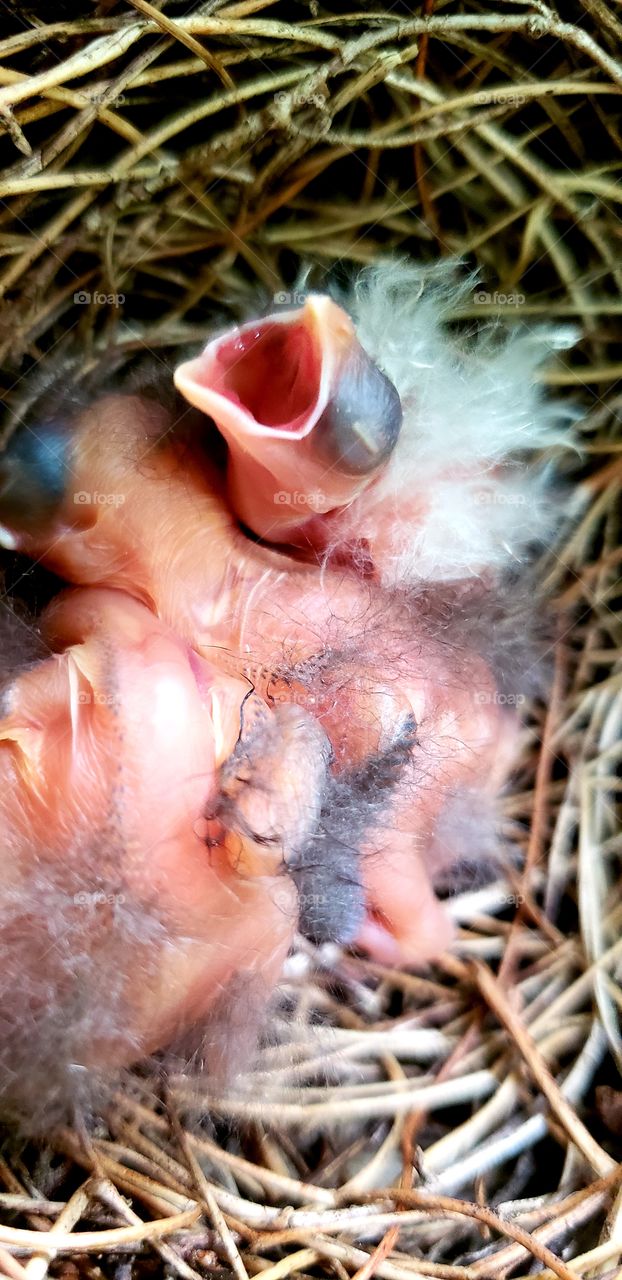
166, 163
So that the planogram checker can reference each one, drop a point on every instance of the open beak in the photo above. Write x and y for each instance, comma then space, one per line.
308, 417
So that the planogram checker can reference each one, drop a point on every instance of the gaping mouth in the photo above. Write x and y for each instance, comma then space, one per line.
308, 416
271, 378
273, 372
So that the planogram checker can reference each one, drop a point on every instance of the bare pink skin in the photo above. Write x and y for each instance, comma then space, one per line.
176, 616
115, 724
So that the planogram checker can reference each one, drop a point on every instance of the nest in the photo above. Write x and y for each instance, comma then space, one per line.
164, 165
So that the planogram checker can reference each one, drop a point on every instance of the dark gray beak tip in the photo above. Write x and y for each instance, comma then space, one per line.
33, 475
360, 426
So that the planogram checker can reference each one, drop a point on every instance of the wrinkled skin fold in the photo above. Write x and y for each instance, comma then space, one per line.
219, 737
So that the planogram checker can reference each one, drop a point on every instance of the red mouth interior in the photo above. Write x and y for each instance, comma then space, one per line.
273, 371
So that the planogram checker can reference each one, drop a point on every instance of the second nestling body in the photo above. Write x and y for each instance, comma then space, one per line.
272, 695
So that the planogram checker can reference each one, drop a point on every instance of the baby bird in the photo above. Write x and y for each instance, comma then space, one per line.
266, 695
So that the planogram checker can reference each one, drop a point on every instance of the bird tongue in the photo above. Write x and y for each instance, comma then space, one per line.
308, 417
